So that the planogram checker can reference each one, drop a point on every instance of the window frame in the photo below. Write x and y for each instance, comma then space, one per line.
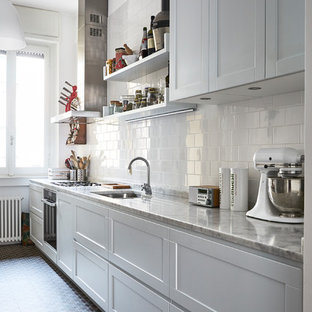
11, 169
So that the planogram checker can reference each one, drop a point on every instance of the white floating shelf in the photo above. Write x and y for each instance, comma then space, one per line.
150, 112
148, 65
68, 116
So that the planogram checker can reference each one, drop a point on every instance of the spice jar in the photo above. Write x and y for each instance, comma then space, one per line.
120, 62
114, 64
143, 102
118, 107
138, 94
137, 104
127, 101
152, 96
109, 66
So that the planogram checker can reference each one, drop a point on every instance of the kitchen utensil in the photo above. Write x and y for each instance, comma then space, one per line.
73, 175
81, 175
74, 162
224, 185
68, 91
269, 161
239, 189
74, 155
67, 163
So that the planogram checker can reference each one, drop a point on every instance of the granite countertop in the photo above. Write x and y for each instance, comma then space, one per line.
283, 240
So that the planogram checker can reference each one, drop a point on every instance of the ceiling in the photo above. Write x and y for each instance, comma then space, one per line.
69, 6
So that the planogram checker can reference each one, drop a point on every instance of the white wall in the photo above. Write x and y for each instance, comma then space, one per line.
186, 149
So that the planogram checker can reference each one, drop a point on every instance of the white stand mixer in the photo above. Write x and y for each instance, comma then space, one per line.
269, 161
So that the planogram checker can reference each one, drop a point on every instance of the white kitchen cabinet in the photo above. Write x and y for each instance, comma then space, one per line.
91, 226
217, 46
64, 227
141, 248
209, 276
91, 274
35, 196
237, 43
189, 48
284, 37
128, 295
36, 230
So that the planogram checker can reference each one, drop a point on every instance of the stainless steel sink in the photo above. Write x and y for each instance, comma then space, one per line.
119, 195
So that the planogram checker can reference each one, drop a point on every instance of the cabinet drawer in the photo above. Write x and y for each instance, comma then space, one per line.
35, 196
91, 227
91, 274
203, 272
128, 295
141, 248
36, 230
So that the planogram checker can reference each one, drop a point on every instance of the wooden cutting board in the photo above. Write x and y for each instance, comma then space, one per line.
117, 186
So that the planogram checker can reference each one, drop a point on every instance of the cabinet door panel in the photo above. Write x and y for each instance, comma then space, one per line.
65, 216
36, 230
189, 38
128, 295
237, 37
91, 274
284, 37
91, 227
35, 196
217, 270
141, 248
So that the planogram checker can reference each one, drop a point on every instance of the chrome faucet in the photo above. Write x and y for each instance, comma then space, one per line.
146, 186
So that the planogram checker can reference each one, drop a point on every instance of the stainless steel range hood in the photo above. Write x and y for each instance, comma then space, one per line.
92, 50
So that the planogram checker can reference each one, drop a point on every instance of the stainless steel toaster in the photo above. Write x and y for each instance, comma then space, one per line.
205, 195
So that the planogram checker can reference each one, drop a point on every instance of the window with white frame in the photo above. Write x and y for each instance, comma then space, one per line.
23, 104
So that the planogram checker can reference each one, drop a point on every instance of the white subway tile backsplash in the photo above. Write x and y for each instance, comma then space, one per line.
247, 120
190, 140
198, 167
294, 115
199, 140
190, 167
260, 136
194, 126
193, 179
287, 134
239, 137
272, 117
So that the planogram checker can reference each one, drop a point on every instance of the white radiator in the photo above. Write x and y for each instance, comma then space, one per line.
10, 219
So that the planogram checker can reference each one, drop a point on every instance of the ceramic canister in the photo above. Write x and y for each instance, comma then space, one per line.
239, 189
224, 185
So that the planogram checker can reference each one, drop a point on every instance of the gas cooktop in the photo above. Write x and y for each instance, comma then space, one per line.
75, 183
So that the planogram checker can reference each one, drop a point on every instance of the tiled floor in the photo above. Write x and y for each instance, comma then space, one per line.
31, 283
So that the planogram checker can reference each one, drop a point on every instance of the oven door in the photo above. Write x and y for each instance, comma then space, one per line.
49, 223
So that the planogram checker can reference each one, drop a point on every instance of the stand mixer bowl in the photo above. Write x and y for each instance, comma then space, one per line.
287, 195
